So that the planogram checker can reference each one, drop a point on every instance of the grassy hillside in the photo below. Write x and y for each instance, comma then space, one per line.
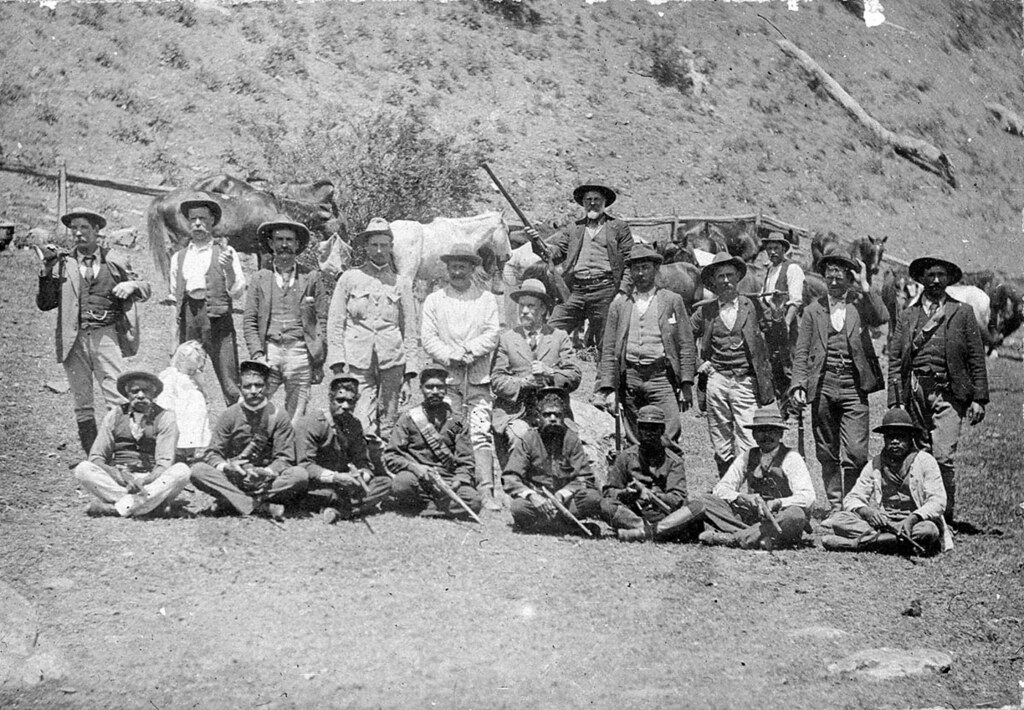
551, 93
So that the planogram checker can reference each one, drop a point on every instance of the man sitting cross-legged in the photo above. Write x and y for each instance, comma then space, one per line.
131, 465
330, 446
551, 459
898, 498
428, 442
250, 463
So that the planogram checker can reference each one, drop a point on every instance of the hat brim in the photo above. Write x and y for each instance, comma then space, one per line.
433, 371
129, 377
766, 425
656, 258
707, 274
211, 205
918, 266
901, 428
579, 192
777, 240
343, 380
264, 231
839, 260
474, 259
516, 295
254, 366
95, 217
363, 236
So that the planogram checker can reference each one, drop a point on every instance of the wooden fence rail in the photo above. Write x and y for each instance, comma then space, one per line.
96, 180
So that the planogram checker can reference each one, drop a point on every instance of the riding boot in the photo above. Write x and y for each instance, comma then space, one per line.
87, 434
673, 523
375, 452
625, 519
484, 459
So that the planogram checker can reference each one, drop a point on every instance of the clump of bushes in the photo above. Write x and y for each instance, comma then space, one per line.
673, 65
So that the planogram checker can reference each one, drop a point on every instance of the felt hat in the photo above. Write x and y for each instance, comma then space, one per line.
897, 420
778, 238
920, 265
433, 369
594, 186
651, 414
559, 392
254, 366
267, 228
834, 255
644, 252
95, 217
462, 252
347, 381
535, 288
707, 274
200, 199
767, 418
377, 225
149, 378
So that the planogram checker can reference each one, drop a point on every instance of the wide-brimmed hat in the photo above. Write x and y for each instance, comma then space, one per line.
267, 228
919, 266
433, 369
644, 252
767, 418
377, 225
834, 255
778, 238
201, 200
651, 414
462, 252
95, 217
124, 380
897, 420
347, 381
593, 185
535, 288
707, 274
254, 366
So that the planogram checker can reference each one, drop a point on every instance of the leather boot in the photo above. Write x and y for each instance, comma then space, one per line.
673, 523
484, 459
87, 434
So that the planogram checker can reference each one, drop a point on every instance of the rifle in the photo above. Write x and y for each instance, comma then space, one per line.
903, 537
435, 479
800, 439
650, 495
766, 514
361, 510
541, 248
563, 511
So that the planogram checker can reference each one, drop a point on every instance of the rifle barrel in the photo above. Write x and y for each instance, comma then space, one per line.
565, 511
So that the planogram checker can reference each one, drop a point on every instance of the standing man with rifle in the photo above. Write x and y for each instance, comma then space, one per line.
250, 463
782, 298
431, 456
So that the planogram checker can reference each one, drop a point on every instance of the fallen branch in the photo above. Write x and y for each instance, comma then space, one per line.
1008, 120
921, 153
96, 180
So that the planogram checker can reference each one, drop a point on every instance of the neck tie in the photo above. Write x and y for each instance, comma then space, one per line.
87, 262
533, 341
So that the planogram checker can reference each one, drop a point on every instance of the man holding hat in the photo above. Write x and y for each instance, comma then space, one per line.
431, 436
898, 496
781, 303
331, 447
93, 291
649, 354
371, 335
649, 477
285, 316
131, 467
937, 368
205, 280
529, 357
734, 359
250, 463
459, 330
836, 368
593, 252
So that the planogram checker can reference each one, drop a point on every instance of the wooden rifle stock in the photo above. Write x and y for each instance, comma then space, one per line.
662, 505
560, 507
435, 478
900, 535
766, 514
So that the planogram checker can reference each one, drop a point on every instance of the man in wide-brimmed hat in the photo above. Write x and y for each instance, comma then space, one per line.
782, 299
371, 334
93, 292
529, 357
898, 497
593, 253
649, 355
459, 329
286, 316
835, 369
205, 280
734, 368
937, 369
131, 469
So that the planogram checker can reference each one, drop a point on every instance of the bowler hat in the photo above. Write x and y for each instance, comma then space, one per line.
919, 266
535, 288
266, 229
200, 199
462, 252
95, 217
767, 418
644, 252
897, 420
347, 381
377, 225
593, 185
834, 255
651, 414
707, 274
149, 378
777, 237
254, 366
434, 369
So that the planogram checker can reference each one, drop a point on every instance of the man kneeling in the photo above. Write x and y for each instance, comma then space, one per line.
130, 464
896, 505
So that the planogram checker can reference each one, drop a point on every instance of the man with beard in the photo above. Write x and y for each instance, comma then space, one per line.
92, 290
836, 369
734, 360
285, 316
331, 447
131, 467
937, 368
898, 497
459, 330
431, 438
529, 357
649, 477
250, 463
649, 353
783, 298
205, 280
552, 458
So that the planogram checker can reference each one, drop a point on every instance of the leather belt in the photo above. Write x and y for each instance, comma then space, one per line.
650, 368
595, 282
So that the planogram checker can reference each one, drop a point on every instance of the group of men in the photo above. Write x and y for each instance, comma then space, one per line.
493, 396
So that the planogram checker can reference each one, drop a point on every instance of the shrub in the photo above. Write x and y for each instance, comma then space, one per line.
47, 113
11, 92
670, 63
282, 60
173, 56
90, 15
520, 13
183, 13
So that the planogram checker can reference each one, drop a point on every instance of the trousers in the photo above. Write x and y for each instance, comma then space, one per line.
411, 495
289, 365
947, 421
839, 418
475, 409
526, 517
95, 355
851, 526
585, 305
337, 497
289, 484
643, 388
379, 390
219, 341
99, 482
731, 404
746, 526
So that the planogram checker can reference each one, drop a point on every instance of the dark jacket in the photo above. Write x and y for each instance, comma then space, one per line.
566, 244
408, 449
665, 478
753, 341
321, 444
863, 311
531, 464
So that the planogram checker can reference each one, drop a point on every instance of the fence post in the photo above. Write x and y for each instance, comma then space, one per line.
62, 189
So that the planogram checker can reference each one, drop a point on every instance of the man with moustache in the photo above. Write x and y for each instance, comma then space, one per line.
131, 469
205, 280
92, 290
285, 316
836, 368
782, 300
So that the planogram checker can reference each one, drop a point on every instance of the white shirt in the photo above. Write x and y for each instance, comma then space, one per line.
280, 278
642, 301
85, 271
837, 313
794, 282
194, 267
729, 311
793, 466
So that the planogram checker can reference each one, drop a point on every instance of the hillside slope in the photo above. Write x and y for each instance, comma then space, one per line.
553, 93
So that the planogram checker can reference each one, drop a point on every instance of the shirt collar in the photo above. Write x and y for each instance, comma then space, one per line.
254, 409
192, 246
